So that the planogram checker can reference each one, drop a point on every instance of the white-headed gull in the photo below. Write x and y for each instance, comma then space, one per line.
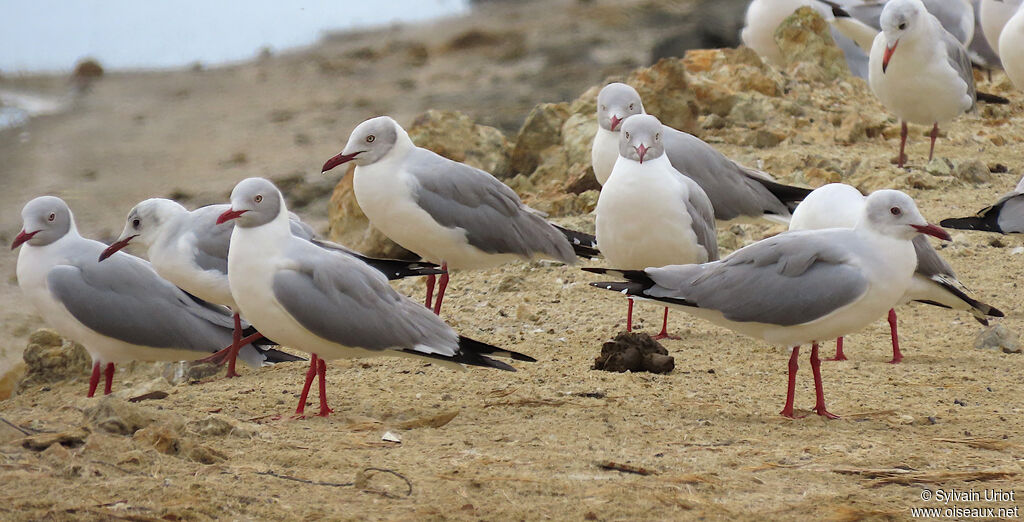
1005, 216
189, 249
648, 214
798, 287
1011, 46
994, 16
919, 71
445, 211
838, 205
326, 302
736, 192
120, 310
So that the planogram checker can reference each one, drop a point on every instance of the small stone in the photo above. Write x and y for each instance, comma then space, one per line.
939, 167
49, 358
160, 437
509, 283
973, 171
762, 139
714, 121
219, 426
189, 371
998, 337
390, 436
115, 416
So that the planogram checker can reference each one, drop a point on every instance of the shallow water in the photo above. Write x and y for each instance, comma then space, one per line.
52, 35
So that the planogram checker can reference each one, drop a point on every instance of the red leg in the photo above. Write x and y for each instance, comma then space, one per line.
840, 356
629, 315
299, 412
109, 374
430, 291
442, 284
787, 410
322, 371
664, 329
903, 144
934, 134
896, 355
236, 339
819, 393
94, 380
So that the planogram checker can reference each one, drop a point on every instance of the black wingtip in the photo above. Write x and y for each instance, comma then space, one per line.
467, 345
398, 269
992, 98
837, 10
583, 245
275, 356
984, 223
788, 194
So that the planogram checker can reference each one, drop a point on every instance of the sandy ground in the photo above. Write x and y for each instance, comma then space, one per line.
522, 445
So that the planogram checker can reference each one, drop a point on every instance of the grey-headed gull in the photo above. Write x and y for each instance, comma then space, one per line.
1011, 46
445, 211
838, 205
919, 71
189, 249
327, 302
798, 287
120, 310
994, 16
736, 192
1005, 216
648, 214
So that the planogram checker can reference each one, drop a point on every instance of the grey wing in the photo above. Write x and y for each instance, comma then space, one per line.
929, 262
211, 240
495, 220
731, 191
299, 228
960, 61
124, 298
868, 12
793, 278
1011, 215
702, 214
952, 14
340, 299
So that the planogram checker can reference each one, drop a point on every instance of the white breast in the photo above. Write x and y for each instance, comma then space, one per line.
603, 153
172, 258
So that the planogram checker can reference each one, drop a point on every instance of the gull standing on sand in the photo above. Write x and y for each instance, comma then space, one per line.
838, 205
120, 310
445, 211
798, 287
648, 214
326, 302
1006, 216
189, 249
1011, 46
736, 192
919, 70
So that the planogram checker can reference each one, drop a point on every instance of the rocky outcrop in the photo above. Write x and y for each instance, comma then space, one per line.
50, 358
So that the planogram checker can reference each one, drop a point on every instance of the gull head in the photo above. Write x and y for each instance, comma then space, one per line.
44, 220
893, 213
254, 202
144, 222
899, 18
641, 138
370, 141
615, 103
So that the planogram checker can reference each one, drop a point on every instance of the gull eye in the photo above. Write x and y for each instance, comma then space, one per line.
370, 138
627, 135
258, 198
895, 211
135, 223
631, 106
657, 136
52, 216
902, 26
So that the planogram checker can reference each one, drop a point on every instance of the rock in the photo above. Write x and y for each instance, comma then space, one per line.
203, 454
161, 437
634, 352
750, 108
542, 128
9, 380
118, 417
714, 121
71, 439
856, 126
666, 92
805, 38
187, 371
973, 171
49, 358
455, 136
219, 426
998, 337
939, 167
762, 139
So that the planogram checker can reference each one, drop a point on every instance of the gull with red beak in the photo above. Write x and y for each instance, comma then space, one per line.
327, 302
648, 214
837, 205
445, 211
919, 71
736, 192
798, 287
189, 249
120, 310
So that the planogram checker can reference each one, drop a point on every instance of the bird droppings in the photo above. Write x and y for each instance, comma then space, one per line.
634, 352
